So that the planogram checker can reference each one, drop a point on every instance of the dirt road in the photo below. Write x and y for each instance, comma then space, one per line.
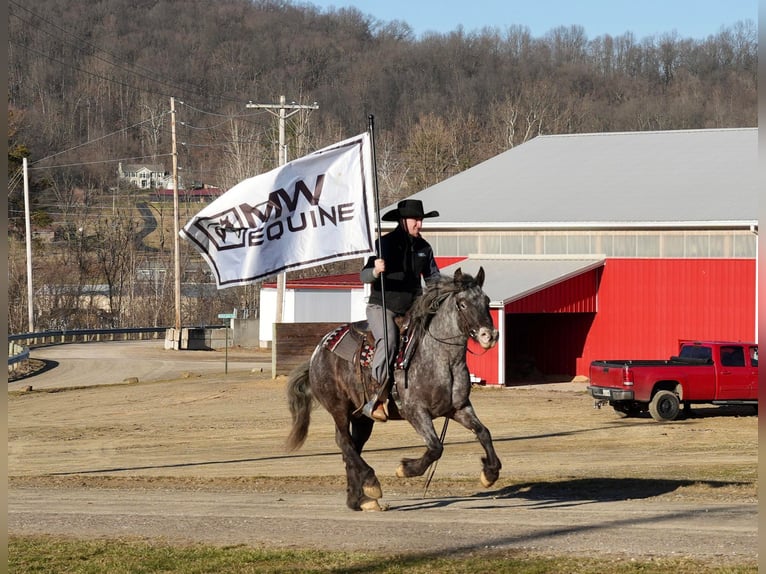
91, 364
198, 456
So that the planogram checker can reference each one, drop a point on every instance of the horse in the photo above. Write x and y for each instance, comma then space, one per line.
436, 383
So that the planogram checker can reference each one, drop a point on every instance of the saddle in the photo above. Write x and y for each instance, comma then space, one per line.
354, 342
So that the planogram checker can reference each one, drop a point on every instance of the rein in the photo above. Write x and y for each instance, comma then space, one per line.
433, 464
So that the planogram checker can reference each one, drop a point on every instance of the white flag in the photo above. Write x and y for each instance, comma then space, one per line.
312, 210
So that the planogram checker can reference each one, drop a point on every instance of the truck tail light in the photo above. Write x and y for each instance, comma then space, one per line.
627, 376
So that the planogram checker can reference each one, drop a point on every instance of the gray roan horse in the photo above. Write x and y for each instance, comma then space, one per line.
436, 383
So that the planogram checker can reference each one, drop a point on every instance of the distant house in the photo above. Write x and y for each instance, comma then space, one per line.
143, 176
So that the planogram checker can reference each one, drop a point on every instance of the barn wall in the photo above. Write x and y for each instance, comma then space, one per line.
646, 305
575, 295
484, 364
641, 308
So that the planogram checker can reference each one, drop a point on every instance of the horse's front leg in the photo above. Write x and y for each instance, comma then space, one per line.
491, 464
423, 424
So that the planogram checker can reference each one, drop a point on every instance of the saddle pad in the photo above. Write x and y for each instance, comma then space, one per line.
344, 342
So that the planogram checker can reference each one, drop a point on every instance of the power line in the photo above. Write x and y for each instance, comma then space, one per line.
68, 33
78, 43
87, 72
99, 161
227, 116
93, 141
117, 63
122, 130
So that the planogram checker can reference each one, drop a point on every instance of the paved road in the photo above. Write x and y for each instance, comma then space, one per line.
114, 362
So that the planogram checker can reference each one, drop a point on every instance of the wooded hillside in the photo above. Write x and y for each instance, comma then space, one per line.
90, 84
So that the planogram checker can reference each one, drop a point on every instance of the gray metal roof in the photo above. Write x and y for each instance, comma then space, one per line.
706, 178
510, 278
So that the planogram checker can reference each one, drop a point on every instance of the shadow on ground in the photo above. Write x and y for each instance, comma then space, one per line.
576, 492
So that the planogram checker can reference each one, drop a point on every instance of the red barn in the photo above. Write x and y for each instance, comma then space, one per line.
611, 245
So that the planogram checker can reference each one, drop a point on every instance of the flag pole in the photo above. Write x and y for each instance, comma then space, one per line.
379, 253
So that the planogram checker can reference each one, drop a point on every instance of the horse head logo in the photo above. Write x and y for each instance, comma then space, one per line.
224, 230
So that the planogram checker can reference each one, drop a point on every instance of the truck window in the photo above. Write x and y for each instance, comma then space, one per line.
754, 356
697, 352
732, 356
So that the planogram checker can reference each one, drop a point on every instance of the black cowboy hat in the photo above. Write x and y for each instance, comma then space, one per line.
412, 208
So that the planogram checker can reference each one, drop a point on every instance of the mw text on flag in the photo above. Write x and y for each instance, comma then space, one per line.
313, 210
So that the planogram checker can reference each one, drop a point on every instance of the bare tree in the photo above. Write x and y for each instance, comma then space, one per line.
155, 125
430, 152
114, 251
243, 152
18, 308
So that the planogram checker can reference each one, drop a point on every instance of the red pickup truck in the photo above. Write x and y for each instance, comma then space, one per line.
717, 372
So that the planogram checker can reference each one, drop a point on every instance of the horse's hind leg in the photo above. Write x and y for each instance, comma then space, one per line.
491, 463
362, 486
424, 426
361, 429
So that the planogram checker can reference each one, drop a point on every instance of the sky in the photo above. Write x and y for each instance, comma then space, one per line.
695, 19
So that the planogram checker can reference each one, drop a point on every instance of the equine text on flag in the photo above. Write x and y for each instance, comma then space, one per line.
313, 210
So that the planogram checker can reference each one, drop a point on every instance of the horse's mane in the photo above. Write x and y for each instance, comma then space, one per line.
427, 304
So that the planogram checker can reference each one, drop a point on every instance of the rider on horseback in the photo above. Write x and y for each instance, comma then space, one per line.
404, 258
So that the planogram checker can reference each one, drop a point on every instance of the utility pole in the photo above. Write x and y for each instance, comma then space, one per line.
176, 237
28, 222
282, 114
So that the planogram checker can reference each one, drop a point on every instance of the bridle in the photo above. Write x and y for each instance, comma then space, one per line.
465, 329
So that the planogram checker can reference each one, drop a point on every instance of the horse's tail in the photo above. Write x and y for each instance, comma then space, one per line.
300, 400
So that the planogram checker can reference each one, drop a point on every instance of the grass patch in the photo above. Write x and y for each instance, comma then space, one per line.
38, 554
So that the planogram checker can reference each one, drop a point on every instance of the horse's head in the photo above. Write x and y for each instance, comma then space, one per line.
472, 305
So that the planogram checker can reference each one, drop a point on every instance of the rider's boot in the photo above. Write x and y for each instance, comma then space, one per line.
375, 408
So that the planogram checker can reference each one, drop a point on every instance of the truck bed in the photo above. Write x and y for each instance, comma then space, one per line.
673, 361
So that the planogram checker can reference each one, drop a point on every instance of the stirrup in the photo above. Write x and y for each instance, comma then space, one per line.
369, 410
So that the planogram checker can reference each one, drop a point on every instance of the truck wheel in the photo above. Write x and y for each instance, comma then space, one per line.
665, 406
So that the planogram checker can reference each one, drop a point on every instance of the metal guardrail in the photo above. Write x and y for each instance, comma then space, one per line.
17, 353
19, 344
42, 338
85, 335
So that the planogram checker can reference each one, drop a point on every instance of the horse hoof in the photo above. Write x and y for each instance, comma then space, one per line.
400, 471
373, 490
369, 505
485, 481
